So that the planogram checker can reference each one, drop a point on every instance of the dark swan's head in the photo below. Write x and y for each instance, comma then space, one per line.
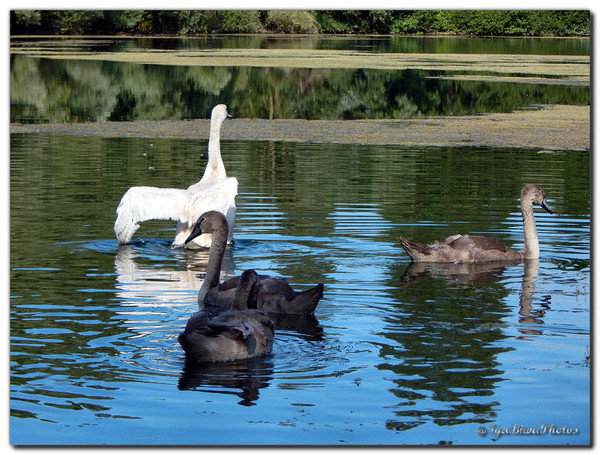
208, 223
532, 193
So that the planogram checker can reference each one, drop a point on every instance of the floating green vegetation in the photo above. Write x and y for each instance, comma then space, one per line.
574, 69
549, 128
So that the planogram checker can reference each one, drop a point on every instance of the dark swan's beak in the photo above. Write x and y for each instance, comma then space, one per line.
544, 205
195, 233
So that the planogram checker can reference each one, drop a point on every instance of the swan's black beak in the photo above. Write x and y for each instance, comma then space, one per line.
195, 233
544, 205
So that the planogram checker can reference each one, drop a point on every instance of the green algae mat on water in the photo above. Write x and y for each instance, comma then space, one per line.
574, 68
551, 128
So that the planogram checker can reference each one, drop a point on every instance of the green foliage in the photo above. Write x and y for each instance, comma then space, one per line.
328, 24
293, 21
415, 22
192, 22
476, 22
177, 22
24, 19
126, 20
189, 22
559, 22
485, 22
239, 21
518, 22
356, 21
75, 22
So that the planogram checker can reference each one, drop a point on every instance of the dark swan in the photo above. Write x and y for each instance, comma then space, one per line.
475, 248
272, 295
218, 335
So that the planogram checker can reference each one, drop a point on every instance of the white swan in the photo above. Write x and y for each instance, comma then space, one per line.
215, 191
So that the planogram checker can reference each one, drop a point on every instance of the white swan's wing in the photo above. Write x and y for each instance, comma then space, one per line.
141, 203
219, 196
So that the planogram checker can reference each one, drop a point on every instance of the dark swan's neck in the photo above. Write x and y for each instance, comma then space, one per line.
215, 260
531, 249
243, 290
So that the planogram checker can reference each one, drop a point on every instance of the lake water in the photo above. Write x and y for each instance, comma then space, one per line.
395, 354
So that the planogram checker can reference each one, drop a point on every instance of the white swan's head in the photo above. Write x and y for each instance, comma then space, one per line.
219, 113
534, 194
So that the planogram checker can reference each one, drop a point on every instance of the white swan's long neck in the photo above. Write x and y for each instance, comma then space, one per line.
215, 260
215, 169
531, 249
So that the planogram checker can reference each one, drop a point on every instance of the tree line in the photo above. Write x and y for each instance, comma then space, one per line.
194, 22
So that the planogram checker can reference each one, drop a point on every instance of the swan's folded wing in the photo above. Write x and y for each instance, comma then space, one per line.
141, 203
478, 241
219, 196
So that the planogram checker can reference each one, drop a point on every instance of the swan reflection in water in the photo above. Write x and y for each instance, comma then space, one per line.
248, 376
447, 335
469, 273
464, 273
139, 279
529, 314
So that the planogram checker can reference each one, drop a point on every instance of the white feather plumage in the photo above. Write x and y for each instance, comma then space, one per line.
215, 191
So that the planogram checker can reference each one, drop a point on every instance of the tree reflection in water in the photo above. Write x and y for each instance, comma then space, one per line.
56, 91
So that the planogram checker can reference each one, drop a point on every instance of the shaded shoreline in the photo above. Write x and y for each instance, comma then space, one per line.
553, 127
